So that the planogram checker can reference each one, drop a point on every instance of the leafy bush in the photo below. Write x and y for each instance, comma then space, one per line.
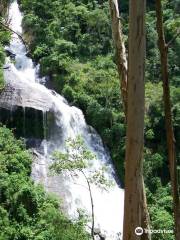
27, 212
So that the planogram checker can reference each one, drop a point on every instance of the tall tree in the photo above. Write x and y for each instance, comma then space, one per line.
123, 75
163, 48
134, 209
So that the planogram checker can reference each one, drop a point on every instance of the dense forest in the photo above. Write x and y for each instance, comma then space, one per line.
72, 41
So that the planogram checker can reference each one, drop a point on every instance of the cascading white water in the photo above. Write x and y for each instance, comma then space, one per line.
69, 123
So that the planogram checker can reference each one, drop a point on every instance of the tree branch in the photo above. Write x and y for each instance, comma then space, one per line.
92, 203
120, 50
174, 38
11, 30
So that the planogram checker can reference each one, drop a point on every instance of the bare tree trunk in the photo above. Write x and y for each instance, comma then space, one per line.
135, 209
123, 76
120, 50
163, 48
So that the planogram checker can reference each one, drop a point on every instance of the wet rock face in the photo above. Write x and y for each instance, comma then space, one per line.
8, 96
27, 123
25, 107
23, 93
10, 54
99, 235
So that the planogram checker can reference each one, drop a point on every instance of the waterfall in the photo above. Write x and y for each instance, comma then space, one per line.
68, 122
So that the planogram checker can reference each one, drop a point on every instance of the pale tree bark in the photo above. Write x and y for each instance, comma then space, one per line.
135, 209
123, 76
163, 48
120, 50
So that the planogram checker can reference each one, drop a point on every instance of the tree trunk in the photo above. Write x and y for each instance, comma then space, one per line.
163, 48
120, 50
135, 209
123, 76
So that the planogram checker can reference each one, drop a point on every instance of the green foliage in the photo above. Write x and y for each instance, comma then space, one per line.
76, 158
27, 212
79, 158
160, 209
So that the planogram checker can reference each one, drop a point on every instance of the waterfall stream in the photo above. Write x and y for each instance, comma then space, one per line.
68, 122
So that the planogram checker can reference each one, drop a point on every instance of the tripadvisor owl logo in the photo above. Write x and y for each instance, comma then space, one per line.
139, 231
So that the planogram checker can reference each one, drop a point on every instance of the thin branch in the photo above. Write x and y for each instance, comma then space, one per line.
92, 204
173, 39
11, 30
